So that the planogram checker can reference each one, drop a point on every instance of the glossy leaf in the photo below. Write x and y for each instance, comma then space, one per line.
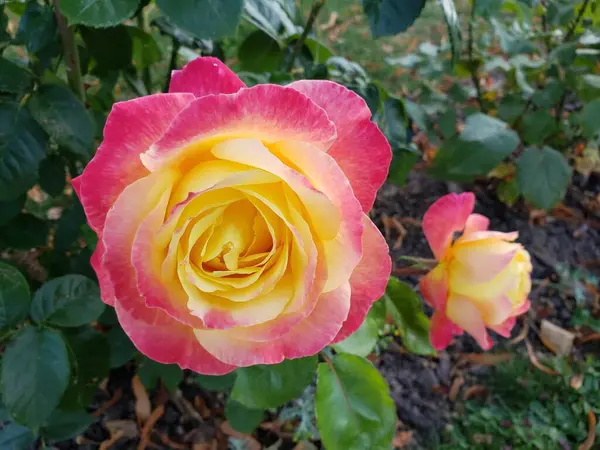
151, 371
404, 306
53, 175
14, 296
35, 374
589, 119
389, 17
260, 53
543, 176
538, 126
270, 386
121, 347
242, 418
217, 383
63, 425
363, 340
145, 49
270, 16
68, 301
14, 79
11, 209
16, 437
353, 406
98, 13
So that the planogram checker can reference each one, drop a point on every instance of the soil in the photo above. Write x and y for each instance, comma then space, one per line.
420, 386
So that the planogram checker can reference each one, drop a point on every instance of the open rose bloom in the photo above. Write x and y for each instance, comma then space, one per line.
232, 220
482, 279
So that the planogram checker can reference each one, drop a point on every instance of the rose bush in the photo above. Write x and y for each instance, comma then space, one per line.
232, 221
483, 278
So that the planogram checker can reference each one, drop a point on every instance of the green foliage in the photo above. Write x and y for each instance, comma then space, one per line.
269, 386
217, 383
363, 340
14, 297
388, 17
98, 13
150, 372
353, 406
242, 418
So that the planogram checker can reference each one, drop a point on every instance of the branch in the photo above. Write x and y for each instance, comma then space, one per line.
146, 75
71, 53
314, 12
472, 66
172, 64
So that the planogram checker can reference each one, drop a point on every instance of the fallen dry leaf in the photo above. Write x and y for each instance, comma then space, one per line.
172, 444
154, 416
487, 359
455, 388
534, 360
591, 437
522, 334
143, 408
478, 389
201, 407
128, 428
589, 338
402, 439
557, 339
576, 381
105, 445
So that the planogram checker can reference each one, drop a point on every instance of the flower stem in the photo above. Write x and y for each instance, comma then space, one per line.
71, 53
314, 12
146, 75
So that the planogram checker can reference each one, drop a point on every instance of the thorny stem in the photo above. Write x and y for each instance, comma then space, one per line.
472, 66
71, 53
314, 12
172, 64
568, 36
146, 76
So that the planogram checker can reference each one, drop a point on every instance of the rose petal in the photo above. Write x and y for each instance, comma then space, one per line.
442, 330
445, 217
360, 144
476, 222
369, 279
106, 290
465, 314
505, 328
434, 287
205, 76
480, 261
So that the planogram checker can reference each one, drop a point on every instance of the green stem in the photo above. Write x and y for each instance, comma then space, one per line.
314, 13
146, 75
172, 64
71, 54
472, 65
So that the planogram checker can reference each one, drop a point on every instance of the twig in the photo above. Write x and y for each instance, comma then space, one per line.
146, 75
314, 12
172, 64
472, 66
71, 54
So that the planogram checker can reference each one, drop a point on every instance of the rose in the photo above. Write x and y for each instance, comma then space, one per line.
483, 278
232, 220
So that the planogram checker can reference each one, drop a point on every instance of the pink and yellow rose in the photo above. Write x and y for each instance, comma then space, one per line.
482, 279
232, 220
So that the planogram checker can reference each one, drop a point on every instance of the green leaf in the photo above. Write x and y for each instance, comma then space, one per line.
63, 117
363, 340
22, 147
511, 108
205, 19
447, 123
543, 176
404, 306
319, 51
417, 115
63, 425
487, 8
508, 192
389, 17
14, 296
403, 160
98, 13
588, 119
394, 122
16, 437
241, 418
111, 48
353, 405
483, 143
37, 28
219, 383
121, 347
35, 373
14, 78
260, 53
68, 227
145, 49
270, 386
52, 175
453, 25
24, 232
538, 126
270, 17
69, 301
151, 371
11, 209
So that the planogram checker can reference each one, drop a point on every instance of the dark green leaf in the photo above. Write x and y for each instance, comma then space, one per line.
487, 8
121, 347
453, 24
269, 16
63, 425
69, 301
543, 176
394, 122
319, 51
35, 373
388, 17
4, 36
63, 117
447, 123
24, 232
145, 49
363, 340
511, 108
217, 383
151, 371
417, 115
483, 143
111, 48
37, 28
403, 160
404, 306
353, 405
98, 13
549, 96
14, 78
22, 147
260, 53
69, 226
53, 175
241, 418
508, 192
538, 126
14, 296
269, 386
16, 437
11, 209
589, 119
205, 19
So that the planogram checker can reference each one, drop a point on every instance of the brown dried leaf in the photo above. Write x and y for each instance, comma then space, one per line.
589, 338
557, 339
576, 381
143, 408
105, 445
455, 388
402, 439
486, 359
534, 360
127, 428
522, 334
591, 437
478, 389
113, 400
145, 438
